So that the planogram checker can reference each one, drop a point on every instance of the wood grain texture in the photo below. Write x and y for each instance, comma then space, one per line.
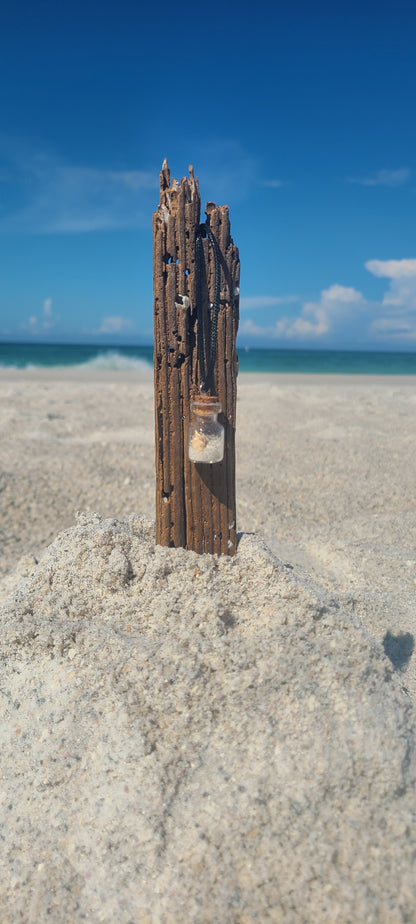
195, 503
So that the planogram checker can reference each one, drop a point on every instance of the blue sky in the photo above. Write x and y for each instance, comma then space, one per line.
299, 116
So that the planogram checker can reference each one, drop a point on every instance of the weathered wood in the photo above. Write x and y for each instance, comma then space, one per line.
195, 502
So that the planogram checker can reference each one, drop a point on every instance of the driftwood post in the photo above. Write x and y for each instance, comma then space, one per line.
195, 502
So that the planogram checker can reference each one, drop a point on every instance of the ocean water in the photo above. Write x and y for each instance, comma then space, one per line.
345, 362
49, 355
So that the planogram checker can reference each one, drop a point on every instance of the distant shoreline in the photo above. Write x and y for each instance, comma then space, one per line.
118, 376
139, 359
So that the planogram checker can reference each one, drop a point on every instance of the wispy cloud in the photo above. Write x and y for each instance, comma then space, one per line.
394, 329
38, 325
272, 184
384, 178
47, 307
250, 302
47, 196
114, 324
226, 172
31, 324
342, 313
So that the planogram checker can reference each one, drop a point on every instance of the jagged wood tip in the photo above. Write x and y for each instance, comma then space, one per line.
171, 188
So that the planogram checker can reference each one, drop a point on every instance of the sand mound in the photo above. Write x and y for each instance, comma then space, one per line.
191, 739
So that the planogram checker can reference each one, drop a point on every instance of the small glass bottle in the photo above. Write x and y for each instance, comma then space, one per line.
205, 433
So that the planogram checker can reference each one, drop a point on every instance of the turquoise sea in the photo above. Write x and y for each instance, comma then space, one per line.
346, 362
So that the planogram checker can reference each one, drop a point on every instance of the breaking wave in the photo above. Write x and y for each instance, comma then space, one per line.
117, 361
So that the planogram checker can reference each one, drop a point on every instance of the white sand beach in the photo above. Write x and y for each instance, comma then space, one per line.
193, 740
326, 472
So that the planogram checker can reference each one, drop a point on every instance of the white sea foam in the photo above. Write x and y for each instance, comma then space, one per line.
107, 360
116, 361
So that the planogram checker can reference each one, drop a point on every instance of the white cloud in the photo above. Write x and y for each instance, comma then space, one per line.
398, 307
312, 323
319, 318
343, 294
343, 315
384, 178
115, 325
392, 269
316, 318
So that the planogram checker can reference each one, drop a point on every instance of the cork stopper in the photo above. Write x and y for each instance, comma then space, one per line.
206, 405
